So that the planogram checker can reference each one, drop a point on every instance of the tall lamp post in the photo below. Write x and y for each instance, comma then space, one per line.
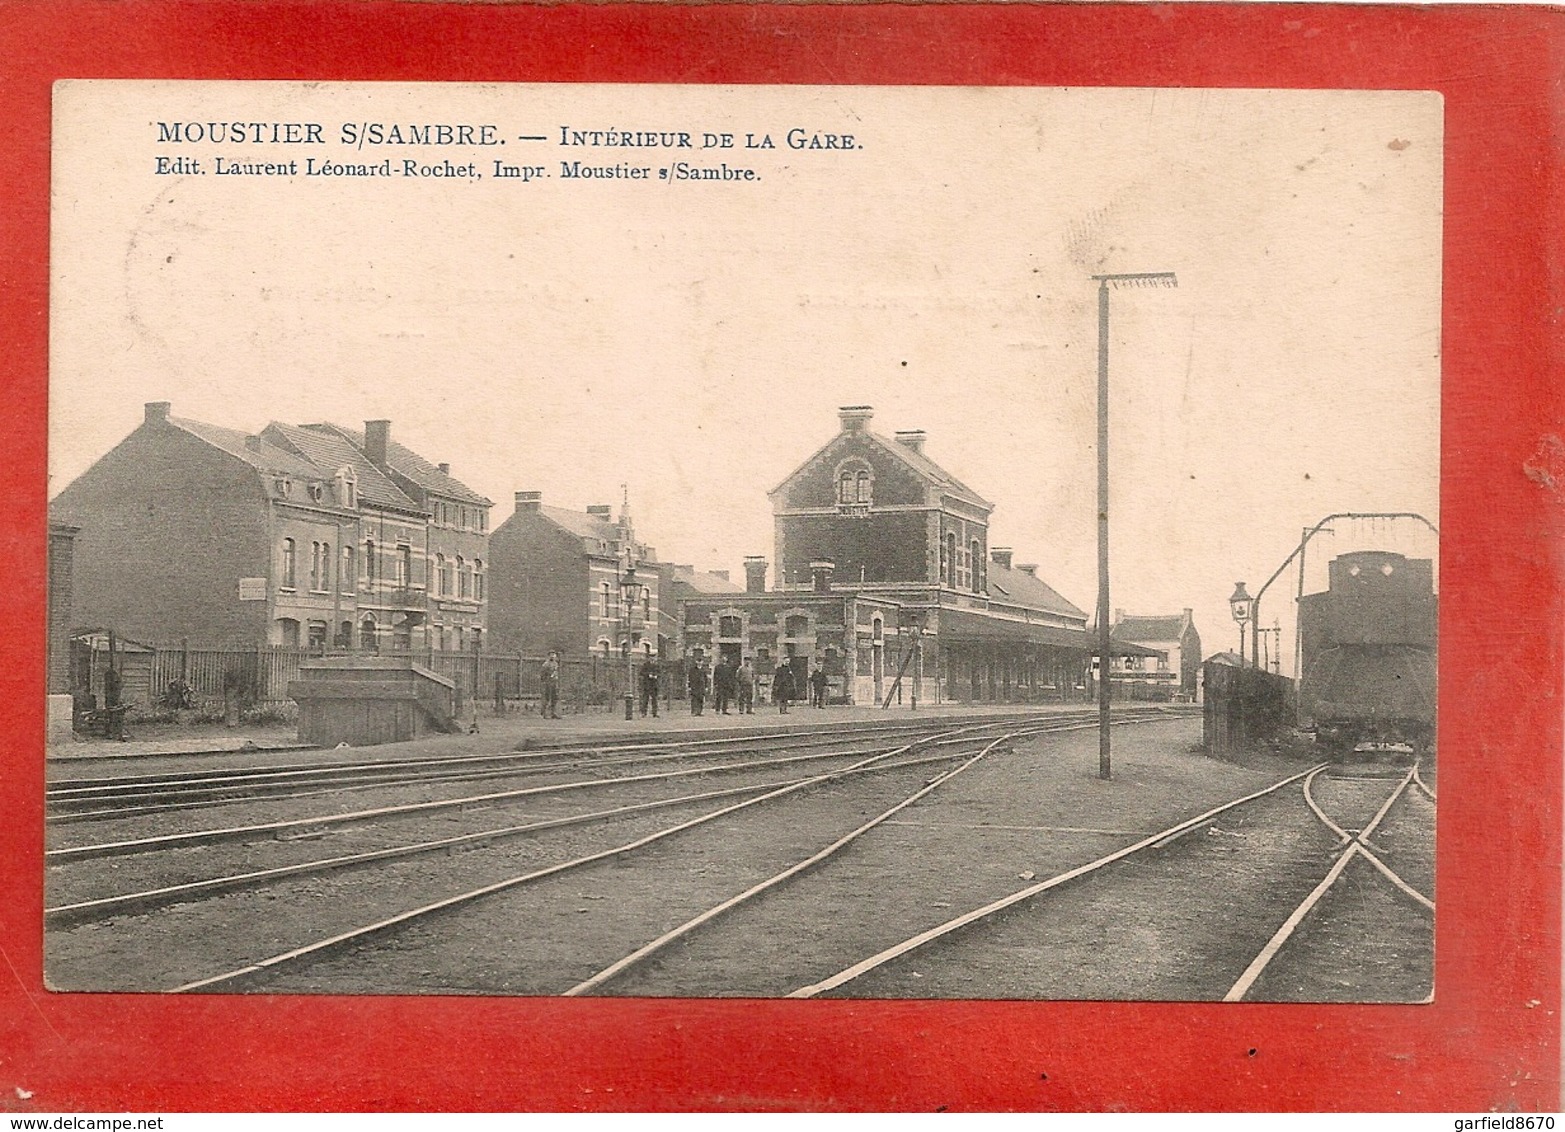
1241, 604
630, 595
1130, 279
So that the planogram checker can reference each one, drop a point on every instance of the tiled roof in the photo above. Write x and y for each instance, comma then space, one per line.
704, 582
1021, 588
409, 463
1165, 628
581, 524
264, 457
330, 451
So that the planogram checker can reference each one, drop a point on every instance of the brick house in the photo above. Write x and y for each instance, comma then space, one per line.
554, 582
294, 537
885, 577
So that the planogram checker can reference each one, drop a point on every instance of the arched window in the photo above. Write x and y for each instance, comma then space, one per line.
369, 560
951, 560
603, 594
976, 558
288, 575
325, 565
346, 579
464, 578
367, 636
862, 494
447, 585
404, 566
845, 487
478, 579
315, 566
442, 583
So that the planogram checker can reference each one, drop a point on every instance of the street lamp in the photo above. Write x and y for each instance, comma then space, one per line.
1241, 603
630, 595
1130, 279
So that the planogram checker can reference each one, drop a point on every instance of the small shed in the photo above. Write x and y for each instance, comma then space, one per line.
365, 700
90, 655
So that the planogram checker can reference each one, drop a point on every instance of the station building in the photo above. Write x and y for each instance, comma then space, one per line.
886, 578
300, 536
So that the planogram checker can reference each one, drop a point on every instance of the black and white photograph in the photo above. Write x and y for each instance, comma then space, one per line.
743, 542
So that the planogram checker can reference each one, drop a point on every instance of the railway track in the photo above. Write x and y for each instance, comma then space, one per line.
111, 797
82, 906
1351, 844
925, 756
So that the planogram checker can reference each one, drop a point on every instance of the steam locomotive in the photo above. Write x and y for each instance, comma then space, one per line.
1368, 644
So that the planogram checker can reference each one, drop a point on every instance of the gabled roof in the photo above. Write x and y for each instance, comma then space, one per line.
1018, 587
328, 451
705, 582
581, 524
263, 456
409, 463
920, 464
1167, 627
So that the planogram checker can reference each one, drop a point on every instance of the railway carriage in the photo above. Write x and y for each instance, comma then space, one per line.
1368, 643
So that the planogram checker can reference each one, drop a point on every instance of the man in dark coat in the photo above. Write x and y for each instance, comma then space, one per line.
782, 688
722, 685
549, 682
698, 686
650, 686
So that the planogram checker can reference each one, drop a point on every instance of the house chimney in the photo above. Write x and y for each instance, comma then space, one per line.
755, 574
529, 500
1028, 568
855, 418
1188, 612
252, 443
445, 469
158, 411
1000, 556
912, 438
601, 511
377, 438
821, 570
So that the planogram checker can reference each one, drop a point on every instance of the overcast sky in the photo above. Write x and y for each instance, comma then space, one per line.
693, 339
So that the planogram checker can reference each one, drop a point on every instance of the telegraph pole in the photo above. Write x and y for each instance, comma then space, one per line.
1134, 279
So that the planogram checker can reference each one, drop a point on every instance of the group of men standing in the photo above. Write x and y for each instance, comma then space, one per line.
730, 686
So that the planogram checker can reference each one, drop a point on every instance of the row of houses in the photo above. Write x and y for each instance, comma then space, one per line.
327, 538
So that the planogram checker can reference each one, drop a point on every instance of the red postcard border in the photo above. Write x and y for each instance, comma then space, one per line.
1491, 1040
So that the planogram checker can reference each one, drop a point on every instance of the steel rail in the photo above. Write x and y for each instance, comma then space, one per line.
1274, 945
1343, 836
877, 727
622, 965
197, 791
241, 832
341, 939
1418, 781
896, 951
89, 910
328, 821
1370, 854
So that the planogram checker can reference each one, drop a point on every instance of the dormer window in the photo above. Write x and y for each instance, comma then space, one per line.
283, 485
317, 492
347, 487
